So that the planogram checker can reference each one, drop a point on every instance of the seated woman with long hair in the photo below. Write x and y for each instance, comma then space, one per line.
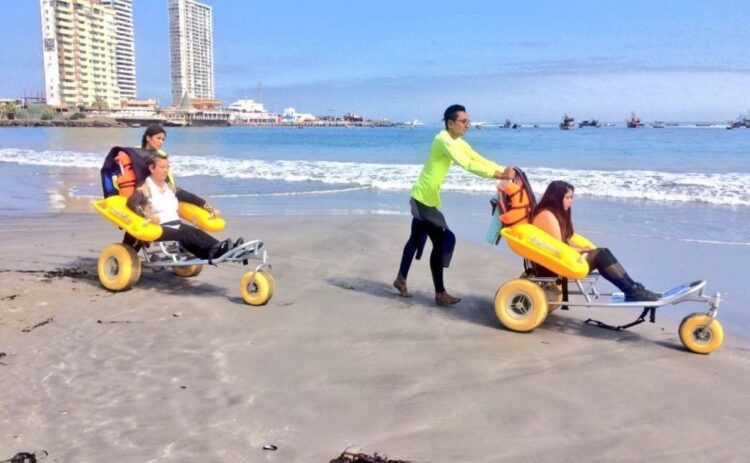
553, 215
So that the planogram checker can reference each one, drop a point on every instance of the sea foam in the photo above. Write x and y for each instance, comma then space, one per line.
729, 189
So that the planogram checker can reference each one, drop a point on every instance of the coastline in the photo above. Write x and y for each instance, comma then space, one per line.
182, 370
94, 123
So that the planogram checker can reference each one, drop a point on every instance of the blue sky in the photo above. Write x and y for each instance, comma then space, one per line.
525, 60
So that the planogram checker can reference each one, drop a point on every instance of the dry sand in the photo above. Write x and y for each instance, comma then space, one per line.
182, 370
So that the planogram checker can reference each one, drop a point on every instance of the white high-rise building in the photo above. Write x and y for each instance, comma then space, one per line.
125, 47
191, 46
78, 46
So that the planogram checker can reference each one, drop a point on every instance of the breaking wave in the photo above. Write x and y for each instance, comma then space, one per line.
731, 189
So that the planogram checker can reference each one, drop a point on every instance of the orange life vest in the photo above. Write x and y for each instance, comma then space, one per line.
126, 181
519, 209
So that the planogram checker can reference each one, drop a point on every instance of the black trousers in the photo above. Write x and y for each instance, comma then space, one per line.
428, 222
195, 240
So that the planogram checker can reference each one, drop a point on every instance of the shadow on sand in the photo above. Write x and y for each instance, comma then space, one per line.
163, 280
480, 311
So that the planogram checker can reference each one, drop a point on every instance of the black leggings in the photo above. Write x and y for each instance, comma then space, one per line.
437, 237
602, 260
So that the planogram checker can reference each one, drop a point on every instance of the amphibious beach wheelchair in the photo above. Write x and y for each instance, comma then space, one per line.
522, 304
119, 266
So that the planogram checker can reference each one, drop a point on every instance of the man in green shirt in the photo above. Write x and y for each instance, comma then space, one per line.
447, 147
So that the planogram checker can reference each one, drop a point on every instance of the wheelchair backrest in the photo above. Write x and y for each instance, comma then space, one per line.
517, 201
123, 170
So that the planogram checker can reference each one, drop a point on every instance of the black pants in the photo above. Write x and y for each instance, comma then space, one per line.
606, 263
428, 222
196, 241
437, 236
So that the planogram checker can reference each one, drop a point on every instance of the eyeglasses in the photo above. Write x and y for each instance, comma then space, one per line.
465, 122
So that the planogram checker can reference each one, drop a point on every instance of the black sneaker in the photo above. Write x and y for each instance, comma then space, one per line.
639, 293
220, 249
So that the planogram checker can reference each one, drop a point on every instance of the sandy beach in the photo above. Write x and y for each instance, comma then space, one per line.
182, 370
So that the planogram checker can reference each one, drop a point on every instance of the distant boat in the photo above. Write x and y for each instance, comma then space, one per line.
742, 121
658, 125
591, 123
634, 122
507, 124
568, 123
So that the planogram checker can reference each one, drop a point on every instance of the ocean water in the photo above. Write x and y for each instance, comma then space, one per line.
673, 204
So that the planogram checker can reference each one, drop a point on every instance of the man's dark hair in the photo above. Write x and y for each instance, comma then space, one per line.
450, 113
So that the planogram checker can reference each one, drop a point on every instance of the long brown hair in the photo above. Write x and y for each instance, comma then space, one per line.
553, 202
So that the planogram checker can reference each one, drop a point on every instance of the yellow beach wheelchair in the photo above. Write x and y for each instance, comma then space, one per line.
119, 265
522, 304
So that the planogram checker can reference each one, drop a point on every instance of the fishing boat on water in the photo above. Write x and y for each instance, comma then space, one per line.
591, 123
568, 123
634, 122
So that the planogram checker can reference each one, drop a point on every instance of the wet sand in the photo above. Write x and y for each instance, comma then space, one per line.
182, 370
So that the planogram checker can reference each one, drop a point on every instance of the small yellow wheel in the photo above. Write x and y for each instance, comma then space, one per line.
520, 305
256, 288
698, 336
119, 267
187, 271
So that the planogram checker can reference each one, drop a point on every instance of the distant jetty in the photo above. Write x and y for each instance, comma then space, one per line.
61, 123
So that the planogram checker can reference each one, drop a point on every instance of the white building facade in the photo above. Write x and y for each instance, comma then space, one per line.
124, 47
191, 47
78, 48
250, 112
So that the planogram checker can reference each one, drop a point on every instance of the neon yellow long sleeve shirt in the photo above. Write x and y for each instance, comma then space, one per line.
443, 153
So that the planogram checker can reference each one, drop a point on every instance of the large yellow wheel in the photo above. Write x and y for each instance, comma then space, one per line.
256, 288
187, 271
520, 305
698, 336
119, 267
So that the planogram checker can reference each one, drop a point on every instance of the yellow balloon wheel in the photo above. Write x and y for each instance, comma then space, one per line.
187, 271
698, 336
520, 305
119, 267
256, 288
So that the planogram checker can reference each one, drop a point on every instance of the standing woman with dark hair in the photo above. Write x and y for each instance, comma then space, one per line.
153, 139
553, 215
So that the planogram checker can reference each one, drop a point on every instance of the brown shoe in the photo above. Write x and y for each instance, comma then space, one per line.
400, 284
446, 299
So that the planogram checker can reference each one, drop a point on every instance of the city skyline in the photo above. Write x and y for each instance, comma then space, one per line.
531, 62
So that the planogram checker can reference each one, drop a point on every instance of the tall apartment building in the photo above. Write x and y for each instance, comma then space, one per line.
124, 47
79, 50
191, 45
